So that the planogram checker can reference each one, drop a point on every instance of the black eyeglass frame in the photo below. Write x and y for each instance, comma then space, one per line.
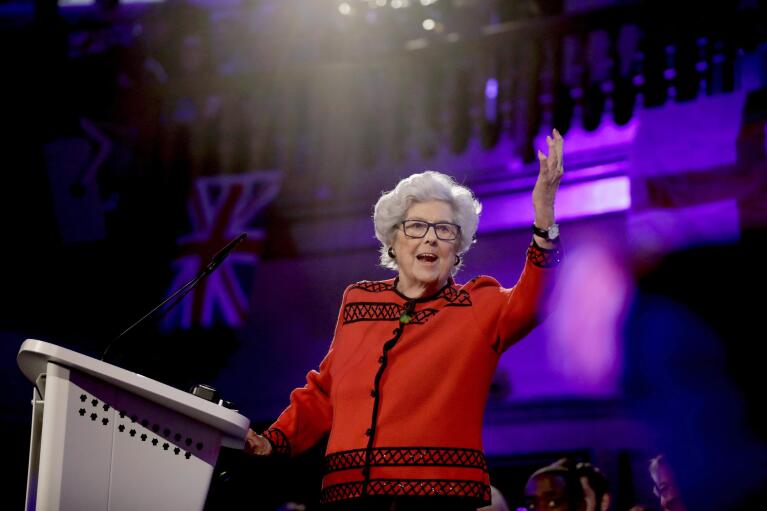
430, 225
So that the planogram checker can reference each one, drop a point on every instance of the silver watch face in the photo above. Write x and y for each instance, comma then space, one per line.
553, 232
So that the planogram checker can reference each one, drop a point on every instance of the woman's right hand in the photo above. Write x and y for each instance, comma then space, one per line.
257, 445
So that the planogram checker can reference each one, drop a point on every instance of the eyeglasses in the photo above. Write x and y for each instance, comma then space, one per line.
445, 231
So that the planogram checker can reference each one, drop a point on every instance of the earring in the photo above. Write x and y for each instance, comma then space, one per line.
391, 253
457, 260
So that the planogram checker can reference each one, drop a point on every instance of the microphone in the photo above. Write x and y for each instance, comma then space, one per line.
214, 263
222, 254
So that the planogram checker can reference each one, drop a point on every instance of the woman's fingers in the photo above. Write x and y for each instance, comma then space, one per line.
551, 164
257, 444
559, 145
555, 144
552, 157
543, 161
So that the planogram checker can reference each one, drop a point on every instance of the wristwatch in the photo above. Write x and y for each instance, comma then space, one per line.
550, 234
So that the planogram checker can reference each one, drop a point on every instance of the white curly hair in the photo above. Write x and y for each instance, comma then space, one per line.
391, 208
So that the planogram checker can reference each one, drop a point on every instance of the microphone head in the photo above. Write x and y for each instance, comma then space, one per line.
224, 252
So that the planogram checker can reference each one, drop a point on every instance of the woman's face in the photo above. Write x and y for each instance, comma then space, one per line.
546, 492
425, 263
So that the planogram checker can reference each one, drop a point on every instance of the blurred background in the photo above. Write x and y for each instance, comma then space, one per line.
139, 137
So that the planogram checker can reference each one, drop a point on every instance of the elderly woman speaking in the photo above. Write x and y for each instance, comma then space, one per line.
402, 390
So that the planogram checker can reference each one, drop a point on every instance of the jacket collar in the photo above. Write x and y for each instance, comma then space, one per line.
439, 294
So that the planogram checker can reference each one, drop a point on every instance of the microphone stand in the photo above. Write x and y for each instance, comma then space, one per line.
183, 290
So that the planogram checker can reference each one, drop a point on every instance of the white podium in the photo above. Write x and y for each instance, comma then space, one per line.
104, 438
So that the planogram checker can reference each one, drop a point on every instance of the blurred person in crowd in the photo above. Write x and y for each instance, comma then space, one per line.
691, 377
664, 485
567, 486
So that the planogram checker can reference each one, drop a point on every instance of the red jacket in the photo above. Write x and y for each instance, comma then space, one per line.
403, 387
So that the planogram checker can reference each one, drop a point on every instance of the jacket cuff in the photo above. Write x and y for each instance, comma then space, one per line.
542, 257
280, 444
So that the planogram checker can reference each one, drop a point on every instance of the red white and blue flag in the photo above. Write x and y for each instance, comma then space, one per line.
221, 208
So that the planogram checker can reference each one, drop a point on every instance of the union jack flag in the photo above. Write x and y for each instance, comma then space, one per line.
221, 208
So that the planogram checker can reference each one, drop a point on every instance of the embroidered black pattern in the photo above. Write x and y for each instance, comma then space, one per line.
450, 294
542, 257
278, 440
456, 298
377, 311
406, 456
373, 287
408, 487
422, 316
364, 311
